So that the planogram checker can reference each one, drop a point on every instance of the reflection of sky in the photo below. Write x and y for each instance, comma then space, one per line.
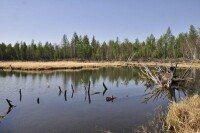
55, 114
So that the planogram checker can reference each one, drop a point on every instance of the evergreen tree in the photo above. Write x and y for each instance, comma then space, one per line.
65, 44
3, 51
74, 44
23, 50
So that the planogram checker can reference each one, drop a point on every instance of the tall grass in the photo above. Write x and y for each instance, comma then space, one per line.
184, 117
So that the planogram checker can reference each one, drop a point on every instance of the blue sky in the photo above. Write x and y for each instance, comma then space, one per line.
48, 20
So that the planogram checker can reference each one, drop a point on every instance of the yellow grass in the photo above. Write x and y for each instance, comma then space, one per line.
185, 115
31, 65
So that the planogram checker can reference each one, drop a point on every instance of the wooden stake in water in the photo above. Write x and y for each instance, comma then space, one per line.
20, 94
72, 91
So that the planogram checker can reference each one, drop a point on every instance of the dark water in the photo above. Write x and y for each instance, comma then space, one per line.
42, 108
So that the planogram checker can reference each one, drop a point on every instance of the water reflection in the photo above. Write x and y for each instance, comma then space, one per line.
2, 116
11, 106
177, 90
115, 76
89, 90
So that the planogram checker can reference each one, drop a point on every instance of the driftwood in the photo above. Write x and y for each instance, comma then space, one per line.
164, 82
164, 78
94, 93
184, 75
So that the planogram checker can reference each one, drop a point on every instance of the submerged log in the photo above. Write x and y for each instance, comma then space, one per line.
9, 103
95, 93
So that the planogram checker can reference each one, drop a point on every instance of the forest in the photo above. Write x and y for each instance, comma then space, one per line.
167, 46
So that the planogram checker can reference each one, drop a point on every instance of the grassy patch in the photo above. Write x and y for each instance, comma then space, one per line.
55, 65
184, 116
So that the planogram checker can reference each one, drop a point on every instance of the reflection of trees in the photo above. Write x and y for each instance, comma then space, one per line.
186, 88
112, 74
115, 75
170, 93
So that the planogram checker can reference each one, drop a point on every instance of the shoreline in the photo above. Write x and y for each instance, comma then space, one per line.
74, 65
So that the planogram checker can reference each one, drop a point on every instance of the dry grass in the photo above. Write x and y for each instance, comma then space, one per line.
29, 65
156, 123
50, 65
184, 116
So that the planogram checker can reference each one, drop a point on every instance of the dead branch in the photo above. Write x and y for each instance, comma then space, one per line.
187, 69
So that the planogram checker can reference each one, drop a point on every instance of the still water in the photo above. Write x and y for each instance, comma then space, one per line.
43, 108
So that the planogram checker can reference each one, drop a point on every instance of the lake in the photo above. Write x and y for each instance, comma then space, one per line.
43, 107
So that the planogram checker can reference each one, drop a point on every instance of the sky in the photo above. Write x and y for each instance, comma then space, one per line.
49, 20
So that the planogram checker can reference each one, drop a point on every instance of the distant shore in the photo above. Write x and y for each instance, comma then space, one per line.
58, 65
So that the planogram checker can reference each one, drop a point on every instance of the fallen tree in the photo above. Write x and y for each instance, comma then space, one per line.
163, 77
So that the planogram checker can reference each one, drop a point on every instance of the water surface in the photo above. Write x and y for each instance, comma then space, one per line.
41, 107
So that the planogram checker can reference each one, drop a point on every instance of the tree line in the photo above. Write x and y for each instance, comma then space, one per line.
185, 45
